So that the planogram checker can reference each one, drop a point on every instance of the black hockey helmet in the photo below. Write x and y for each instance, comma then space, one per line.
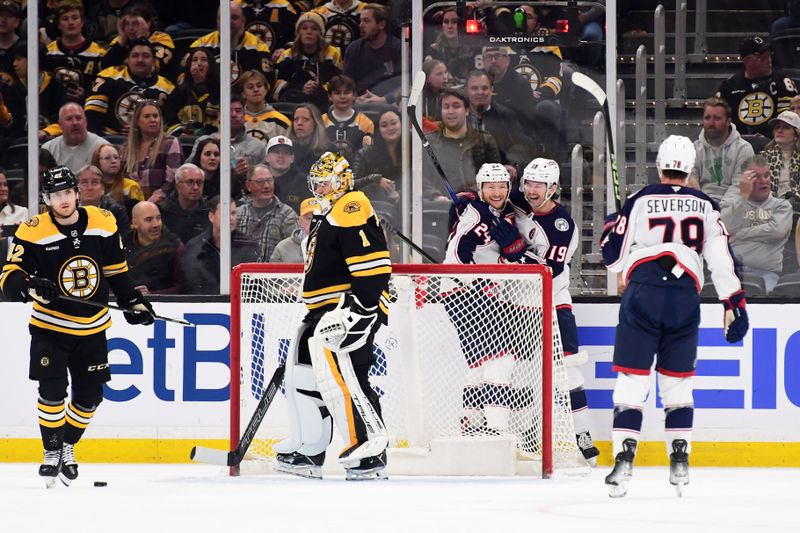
58, 179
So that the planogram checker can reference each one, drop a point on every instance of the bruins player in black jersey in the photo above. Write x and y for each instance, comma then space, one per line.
345, 289
73, 251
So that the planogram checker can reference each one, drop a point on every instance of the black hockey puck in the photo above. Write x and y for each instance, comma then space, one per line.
100, 484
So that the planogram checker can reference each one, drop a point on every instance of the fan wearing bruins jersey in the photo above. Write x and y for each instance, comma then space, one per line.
271, 21
345, 289
341, 21
76, 252
758, 93
118, 89
349, 130
249, 52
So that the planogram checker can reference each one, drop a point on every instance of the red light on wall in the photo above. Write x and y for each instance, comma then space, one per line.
474, 26
562, 26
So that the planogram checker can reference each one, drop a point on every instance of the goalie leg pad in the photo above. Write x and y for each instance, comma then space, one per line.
311, 425
497, 391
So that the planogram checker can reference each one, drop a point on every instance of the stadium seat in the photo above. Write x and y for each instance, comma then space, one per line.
758, 142
754, 285
788, 286
436, 219
434, 245
16, 156
116, 140
786, 49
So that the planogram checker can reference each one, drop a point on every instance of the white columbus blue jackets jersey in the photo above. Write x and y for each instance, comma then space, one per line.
679, 222
553, 237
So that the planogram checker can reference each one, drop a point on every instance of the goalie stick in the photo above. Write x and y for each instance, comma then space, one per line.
233, 458
589, 85
99, 305
386, 224
413, 99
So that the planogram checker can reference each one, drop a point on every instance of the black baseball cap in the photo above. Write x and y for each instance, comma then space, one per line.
753, 45
11, 6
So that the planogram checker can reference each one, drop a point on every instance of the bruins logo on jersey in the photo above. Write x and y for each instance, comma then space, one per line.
80, 276
68, 76
526, 69
128, 102
310, 249
340, 31
756, 108
263, 32
352, 207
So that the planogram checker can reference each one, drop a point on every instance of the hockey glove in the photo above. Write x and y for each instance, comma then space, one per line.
139, 310
42, 290
464, 199
347, 327
608, 225
511, 243
736, 321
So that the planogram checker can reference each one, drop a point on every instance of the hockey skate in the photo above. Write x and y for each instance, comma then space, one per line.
620, 476
50, 468
679, 466
587, 448
301, 465
69, 468
368, 468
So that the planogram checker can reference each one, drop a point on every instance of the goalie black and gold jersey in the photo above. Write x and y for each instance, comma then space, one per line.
346, 252
79, 259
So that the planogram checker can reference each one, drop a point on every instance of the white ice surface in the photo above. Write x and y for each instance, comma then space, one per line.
201, 498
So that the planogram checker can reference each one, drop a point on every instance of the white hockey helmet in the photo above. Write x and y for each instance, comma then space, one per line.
542, 170
676, 153
492, 173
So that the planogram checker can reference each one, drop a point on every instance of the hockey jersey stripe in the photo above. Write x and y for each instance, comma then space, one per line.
72, 324
100, 232
71, 331
72, 318
367, 257
323, 303
372, 272
326, 290
113, 270
370, 264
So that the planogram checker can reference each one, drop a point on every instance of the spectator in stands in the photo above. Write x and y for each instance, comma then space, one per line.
207, 157
758, 222
511, 89
791, 18
289, 249
10, 19
461, 150
516, 148
783, 156
373, 61
721, 152
13, 122
263, 216
349, 130
150, 155
308, 135
450, 49
248, 51
153, 253
757, 93
72, 58
342, 21
291, 186
184, 211
272, 22
121, 189
10, 214
377, 168
200, 261
92, 192
106, 15
305, 68
591, 21
436, 80
138, 23
196, 99
118, 91
262, 121
75, 146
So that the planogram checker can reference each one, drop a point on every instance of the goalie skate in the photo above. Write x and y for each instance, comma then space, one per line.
620, 476
50, 468
301, 465
679, 466
368, 468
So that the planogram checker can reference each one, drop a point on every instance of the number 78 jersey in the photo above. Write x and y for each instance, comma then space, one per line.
669, 220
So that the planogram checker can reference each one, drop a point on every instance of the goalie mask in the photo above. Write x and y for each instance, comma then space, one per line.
331, 168
676, 153
542, 170
57, 179
492, 173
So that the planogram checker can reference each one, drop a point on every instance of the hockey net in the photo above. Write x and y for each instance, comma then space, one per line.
432, 373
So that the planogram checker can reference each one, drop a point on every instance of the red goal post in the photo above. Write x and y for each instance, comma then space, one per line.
444, 321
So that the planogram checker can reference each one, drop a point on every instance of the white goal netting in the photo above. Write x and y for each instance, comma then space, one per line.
460, 364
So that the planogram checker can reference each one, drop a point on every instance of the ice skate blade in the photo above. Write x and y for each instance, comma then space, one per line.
679, 488
592, 461
64, 479
365, 475
618, 490
309, 472
50, 482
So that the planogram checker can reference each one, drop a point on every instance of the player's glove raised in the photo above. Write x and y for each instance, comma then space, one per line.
139, 310
736, 321
42, 290
511, 243
464, 199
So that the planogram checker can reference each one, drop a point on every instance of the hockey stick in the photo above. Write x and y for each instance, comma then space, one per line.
589, 85
413, 100
233, 458
99, 305
385, 223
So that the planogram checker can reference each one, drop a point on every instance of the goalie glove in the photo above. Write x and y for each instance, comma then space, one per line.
512, 245
736, 321
139, 311
42, 290
348, 326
